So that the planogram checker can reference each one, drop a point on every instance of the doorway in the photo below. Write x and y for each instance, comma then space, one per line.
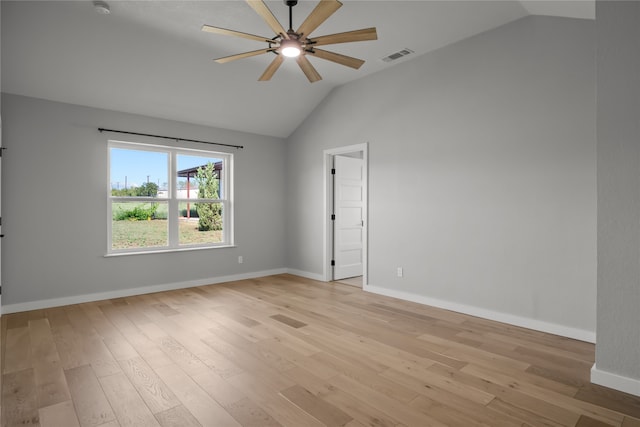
346, 213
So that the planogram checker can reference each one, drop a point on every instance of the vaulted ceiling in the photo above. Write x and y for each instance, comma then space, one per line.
151, 57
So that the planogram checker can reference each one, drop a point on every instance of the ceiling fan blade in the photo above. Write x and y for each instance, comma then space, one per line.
308, 69
224, 31
261, 9
271, 69
323, 10
338, 58
242, 55
349, 36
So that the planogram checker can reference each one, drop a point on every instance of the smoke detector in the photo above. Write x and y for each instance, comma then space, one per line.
101, 7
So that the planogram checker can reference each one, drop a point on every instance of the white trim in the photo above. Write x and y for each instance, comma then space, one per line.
615, 381
525, 322
165, 251
328, 202
327, 236
306, 274
79, 299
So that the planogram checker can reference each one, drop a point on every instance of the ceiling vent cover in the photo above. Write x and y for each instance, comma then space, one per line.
397, 55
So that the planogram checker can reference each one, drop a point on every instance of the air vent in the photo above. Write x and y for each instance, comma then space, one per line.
397, 55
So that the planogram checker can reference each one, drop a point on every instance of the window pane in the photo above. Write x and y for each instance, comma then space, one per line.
167, 198
200, 223
199, 177
139, 173
139, 225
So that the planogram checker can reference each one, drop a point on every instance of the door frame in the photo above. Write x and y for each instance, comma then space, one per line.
328, 207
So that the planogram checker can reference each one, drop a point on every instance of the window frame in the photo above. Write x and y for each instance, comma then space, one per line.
172, 200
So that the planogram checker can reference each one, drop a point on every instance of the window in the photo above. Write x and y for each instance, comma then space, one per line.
164, 198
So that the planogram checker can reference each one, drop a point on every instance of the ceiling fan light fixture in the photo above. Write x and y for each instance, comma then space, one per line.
296, 43
290, 48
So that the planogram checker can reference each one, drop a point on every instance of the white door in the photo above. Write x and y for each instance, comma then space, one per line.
348, 223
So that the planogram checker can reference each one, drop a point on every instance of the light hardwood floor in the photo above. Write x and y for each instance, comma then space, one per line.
287, 351
353, 281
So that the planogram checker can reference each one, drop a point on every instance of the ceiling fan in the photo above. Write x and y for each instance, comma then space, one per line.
298, 44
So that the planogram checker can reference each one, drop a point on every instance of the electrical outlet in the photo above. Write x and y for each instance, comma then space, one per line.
240, 259
399, 271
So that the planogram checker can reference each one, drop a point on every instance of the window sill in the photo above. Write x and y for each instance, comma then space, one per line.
163, 251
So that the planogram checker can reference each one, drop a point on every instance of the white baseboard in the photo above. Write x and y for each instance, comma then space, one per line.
78, 299
306, 274
470, 310
525, 322
617, 382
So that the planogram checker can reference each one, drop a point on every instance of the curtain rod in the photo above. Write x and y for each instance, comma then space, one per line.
239, 147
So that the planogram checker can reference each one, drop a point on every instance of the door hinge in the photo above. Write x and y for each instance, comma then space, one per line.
2, 150
333, 262
333, 171
333, 217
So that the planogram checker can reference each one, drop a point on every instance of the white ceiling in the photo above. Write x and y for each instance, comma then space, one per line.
151, 58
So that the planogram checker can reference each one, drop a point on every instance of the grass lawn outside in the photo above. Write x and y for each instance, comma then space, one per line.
155, 233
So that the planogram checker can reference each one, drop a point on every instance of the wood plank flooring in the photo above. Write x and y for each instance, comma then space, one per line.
288, 351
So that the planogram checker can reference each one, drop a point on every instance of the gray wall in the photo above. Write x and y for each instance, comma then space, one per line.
482, 162
618, 322
54, 188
